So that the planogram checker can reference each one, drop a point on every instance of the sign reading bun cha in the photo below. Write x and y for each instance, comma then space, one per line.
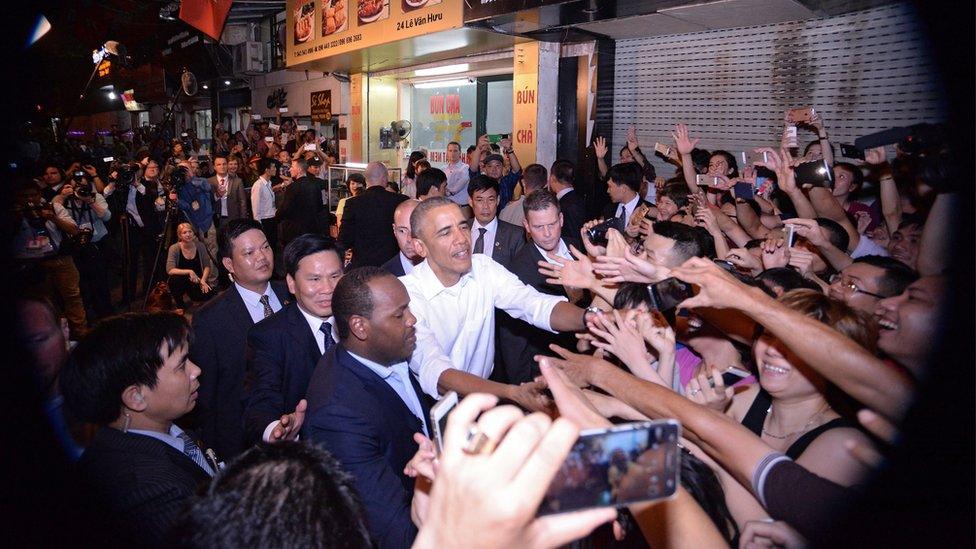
322, 28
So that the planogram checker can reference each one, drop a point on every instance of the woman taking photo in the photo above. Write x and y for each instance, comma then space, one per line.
188, 266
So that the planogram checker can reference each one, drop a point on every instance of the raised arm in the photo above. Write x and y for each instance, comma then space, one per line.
685, 145
600, 150
889, 196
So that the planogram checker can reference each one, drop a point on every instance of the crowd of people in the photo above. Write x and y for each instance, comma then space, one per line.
287, 403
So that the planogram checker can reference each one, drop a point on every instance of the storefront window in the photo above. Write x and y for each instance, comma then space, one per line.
442, 112
498, 117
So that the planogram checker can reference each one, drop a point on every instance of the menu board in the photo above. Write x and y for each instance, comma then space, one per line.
322, 28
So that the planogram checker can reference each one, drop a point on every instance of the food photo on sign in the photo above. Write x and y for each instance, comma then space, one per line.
304, 22
409, 5
369, 11
334, 16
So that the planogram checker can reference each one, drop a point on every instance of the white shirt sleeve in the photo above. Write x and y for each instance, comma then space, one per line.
519, 300
428, 360
267, 430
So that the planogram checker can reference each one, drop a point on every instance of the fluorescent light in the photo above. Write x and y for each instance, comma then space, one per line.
356, 165
444, 84
446, 69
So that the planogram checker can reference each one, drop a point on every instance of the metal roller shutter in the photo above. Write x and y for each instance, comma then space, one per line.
864, 71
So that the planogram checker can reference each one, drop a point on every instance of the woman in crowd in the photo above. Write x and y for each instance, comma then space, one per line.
188, 266
408, 185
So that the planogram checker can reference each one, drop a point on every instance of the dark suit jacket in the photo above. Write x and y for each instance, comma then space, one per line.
300, 207
281, 355
574, 214
142, 481
361, 420
611, 209
508, 240
219, 335
236, 199
367, 222
394, 266
519, 341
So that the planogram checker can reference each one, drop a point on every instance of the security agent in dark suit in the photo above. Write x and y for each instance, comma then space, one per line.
220, 330
366, 220
364, 403
490, 235
623, 185
132, 377
283, 349
562, 176
519, 340
403, 262
301, 204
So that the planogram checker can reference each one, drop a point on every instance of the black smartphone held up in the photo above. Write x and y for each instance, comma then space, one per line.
730, 377
744, 190
816, 173
667, 293
850, 151
619, 466
598, 233
438, 418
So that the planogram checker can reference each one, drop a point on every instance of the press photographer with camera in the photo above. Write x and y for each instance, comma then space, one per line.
40, 259
196, 203
89, 210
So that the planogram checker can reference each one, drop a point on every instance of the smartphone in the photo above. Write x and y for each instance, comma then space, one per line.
751, 158
438, 418
274, 127
255, 117
744, 190
310, 147
730, 377
269, 139
801, 115
663, 150
282, 109
727, 265
183, 134
850, 151
790, 231
816, 173
108, 159
666, 294
618, 466
707, 180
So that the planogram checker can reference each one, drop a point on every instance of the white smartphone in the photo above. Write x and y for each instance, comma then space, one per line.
438, 418
283, 109
269, 139
790, 231
255, 117
310, 147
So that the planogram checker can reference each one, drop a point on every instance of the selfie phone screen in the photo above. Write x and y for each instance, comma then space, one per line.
617, 466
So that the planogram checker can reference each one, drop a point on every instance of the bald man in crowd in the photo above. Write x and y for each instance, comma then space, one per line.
366, 220
403, 262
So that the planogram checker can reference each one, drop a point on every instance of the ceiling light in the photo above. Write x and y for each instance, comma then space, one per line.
206, 87
446, 69
445, 84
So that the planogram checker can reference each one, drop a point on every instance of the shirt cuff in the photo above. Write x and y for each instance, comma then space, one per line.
545, 322
267, 430
761, 472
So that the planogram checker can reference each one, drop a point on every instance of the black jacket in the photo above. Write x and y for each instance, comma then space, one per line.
219, 336
300, 208
141, 480
574, 214
508, 240
367, 226
394, 266
281, 355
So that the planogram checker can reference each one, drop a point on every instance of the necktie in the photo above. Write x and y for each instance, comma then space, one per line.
192, 451
266, 302
401, 376
479, 245
326, 329
622, 216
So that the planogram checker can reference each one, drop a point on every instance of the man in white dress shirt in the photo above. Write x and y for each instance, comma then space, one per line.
453, 294
458, 174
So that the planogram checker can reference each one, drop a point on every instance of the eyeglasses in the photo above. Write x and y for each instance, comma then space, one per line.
849, 286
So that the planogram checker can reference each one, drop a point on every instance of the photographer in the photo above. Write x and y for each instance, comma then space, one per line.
38, 234
138, 219
89, 210
195, 200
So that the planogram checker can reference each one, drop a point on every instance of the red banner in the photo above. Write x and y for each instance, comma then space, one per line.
208, 16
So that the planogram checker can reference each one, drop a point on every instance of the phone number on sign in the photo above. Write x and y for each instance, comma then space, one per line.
330, 44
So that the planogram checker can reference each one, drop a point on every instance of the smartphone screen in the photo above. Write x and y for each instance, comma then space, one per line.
816, 173
667, 293
618, 466
438, 418
850, 151
744, 191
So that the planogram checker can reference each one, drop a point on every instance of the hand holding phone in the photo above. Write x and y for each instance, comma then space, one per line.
668, 293
438, 418
802, 115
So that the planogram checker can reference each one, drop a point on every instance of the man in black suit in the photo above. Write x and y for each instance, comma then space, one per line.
520, 341
403, 262
623, 185
364, 404
220, 331
283, 349
562, 176
230, 201
366, 220
490, 235
132, 377
301, 203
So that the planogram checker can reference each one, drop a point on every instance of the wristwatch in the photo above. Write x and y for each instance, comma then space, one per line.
591, 309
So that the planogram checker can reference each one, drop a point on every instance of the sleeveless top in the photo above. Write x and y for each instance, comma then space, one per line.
756, 416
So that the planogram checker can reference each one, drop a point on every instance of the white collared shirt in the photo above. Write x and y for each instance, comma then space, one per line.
561, 250
315, 323
456, 325
490, 232
252, 301
223, 199
405, 263
172, 438
628, 208
458, 174
262, 200
563, 193
397, 376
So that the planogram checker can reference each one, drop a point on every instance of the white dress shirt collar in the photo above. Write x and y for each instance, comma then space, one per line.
563, 192
405, 263
561, 250
252, 301
315, 324
430, 285
492, 225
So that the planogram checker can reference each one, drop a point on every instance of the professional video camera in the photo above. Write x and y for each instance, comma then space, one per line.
123, 174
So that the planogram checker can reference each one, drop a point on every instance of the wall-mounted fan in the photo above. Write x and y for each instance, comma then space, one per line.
401, 129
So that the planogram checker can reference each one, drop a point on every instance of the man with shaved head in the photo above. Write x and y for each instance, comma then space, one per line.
366, 220
403, 262
454, 293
